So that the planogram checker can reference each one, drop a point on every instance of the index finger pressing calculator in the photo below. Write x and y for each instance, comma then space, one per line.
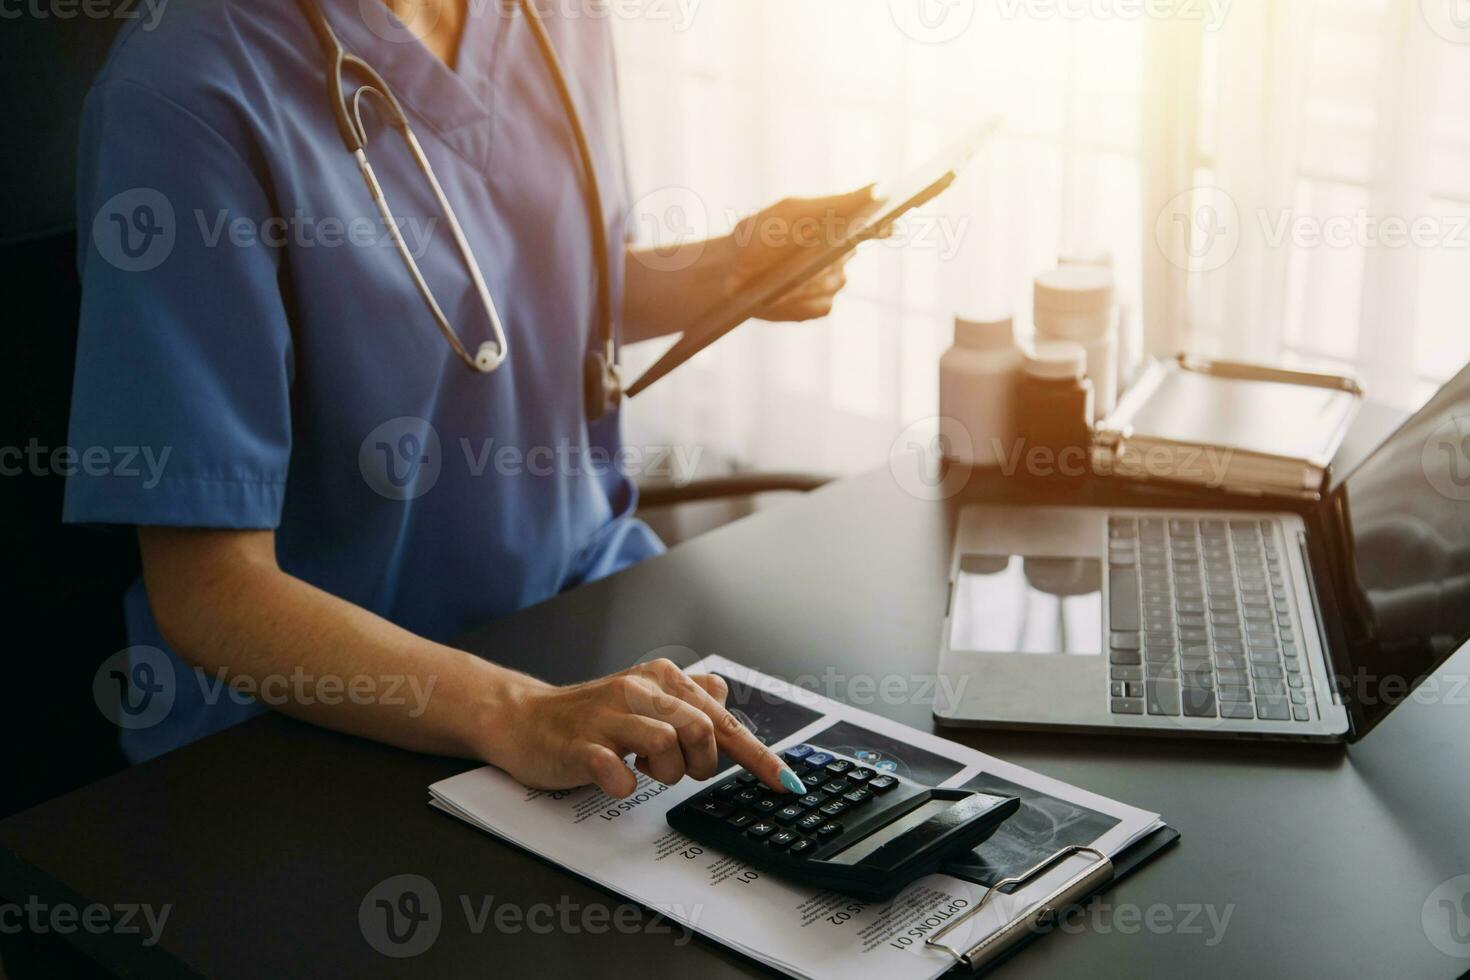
857, 831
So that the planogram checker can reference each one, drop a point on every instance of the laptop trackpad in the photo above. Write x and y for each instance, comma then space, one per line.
1028, 605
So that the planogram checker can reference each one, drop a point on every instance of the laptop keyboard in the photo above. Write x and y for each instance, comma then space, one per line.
1201, 622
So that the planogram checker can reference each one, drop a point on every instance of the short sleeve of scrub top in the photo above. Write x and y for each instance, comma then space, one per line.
251, 335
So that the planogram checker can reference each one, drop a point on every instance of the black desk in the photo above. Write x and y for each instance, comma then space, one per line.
265, 839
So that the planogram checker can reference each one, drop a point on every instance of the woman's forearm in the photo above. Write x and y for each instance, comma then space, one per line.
225, 607
665, 289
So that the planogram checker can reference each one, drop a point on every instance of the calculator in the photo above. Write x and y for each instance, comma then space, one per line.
858, 830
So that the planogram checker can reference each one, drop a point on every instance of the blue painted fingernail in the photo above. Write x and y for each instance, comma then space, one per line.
791, 782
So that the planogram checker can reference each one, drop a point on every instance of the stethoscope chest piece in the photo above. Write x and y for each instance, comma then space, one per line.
602, 385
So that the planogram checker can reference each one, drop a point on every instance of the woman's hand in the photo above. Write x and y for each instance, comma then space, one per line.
674, 723
666, 290
779, 234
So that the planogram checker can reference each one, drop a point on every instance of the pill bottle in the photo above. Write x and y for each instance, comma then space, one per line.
979, 387
1057, 401
1075, 303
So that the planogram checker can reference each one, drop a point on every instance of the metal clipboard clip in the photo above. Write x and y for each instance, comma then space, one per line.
1071, 891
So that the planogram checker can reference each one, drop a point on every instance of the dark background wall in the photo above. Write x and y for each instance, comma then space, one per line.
61, 587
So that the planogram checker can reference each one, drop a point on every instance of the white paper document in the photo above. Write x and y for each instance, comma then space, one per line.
627, 846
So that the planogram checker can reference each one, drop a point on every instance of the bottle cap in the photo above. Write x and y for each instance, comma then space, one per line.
977, 333
1059, 360
1075, 289
1100, 257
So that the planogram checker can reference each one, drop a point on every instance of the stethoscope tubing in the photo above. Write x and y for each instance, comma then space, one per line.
491, 355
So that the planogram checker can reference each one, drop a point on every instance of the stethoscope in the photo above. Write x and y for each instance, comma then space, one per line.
602, 377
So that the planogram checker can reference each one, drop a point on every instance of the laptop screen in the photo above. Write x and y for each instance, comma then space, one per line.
1406, 512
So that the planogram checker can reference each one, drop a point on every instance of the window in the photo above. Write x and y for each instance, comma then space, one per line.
1317, 119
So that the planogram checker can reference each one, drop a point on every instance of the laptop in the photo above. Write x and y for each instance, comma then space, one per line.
1216, 623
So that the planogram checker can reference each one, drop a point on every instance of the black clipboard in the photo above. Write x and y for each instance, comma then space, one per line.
1039, 919
912, 191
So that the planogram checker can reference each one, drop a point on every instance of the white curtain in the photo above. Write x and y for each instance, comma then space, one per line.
1281, 180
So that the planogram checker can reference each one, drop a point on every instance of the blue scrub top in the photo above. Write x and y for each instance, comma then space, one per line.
248, 327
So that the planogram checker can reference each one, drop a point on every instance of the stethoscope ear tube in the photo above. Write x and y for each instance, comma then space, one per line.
610, 380
336, 58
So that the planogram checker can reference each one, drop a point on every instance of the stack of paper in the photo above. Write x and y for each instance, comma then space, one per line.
627, 847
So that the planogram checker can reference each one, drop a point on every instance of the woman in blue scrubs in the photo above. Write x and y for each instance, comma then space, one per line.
336, 493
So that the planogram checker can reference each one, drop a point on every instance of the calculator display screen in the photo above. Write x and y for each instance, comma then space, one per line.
914, 818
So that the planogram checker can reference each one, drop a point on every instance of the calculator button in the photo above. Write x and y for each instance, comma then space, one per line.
829, 830
746, 779
818, 759
836, 787
761, 828
811, 822
858, 797
861, 775
789, 814
811, 799
797, 752
747, 796
835, 808
714, 808
740, 821
802, 847
814, 779
882, 784
729, 789
764, 808
783, 839
839, 767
